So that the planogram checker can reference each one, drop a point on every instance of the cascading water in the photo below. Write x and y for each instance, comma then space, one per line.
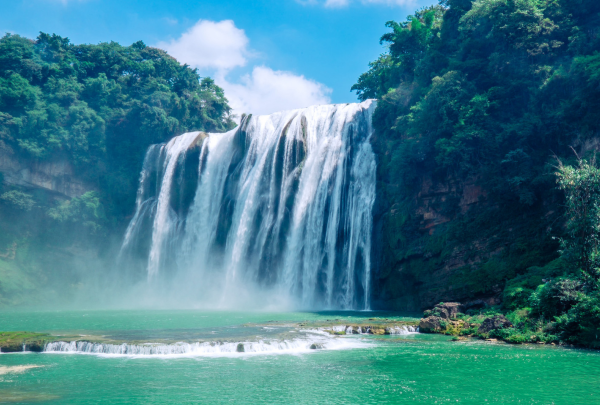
281, 204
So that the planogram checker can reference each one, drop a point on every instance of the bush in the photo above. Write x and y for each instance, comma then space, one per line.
518, 336
18, 199
518, 291
86, 211
556, 297
581, 324
516, 296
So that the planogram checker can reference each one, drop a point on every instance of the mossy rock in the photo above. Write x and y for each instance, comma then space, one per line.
11, 342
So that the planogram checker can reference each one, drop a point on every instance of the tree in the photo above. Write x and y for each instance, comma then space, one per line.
581, 244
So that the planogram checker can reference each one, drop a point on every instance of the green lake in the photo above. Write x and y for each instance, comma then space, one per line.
392, 369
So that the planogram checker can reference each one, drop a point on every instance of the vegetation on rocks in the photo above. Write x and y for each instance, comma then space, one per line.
18, 341
100, 107
563, 309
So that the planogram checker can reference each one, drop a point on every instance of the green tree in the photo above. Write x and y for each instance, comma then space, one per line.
581, 244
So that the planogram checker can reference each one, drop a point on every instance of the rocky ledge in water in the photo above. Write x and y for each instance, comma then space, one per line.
475, 320
11, 342
370, 326
20, 341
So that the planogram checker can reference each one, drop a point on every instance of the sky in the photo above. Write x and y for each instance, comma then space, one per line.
268, 55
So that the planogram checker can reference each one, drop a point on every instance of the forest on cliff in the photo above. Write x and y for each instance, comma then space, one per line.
483, 107
96, 108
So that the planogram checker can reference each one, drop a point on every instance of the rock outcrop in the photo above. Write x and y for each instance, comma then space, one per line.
446, 310
495, 322
430, 324
55, 175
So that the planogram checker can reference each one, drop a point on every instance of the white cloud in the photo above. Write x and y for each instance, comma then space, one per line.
266, 90
336, 3
218, 47
209, 44
65, 2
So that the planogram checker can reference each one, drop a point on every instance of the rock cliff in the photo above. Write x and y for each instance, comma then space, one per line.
446, 239
56, 175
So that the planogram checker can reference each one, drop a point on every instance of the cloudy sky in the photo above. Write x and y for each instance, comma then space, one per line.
268, 55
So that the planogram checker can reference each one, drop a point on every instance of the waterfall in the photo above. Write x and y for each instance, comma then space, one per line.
282, 203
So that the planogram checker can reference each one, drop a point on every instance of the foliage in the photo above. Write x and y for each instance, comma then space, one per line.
18, 199
556, 297
581, 243
86, 210
581, 324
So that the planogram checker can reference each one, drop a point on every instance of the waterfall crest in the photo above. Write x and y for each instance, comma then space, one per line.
282, 203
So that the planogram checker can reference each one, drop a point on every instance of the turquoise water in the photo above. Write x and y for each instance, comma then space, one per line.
414, 368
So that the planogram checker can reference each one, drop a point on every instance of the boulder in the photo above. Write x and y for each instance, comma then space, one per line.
430, 324
495, 322
441, 312
448, 310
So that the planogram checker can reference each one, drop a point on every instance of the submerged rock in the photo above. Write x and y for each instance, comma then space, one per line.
495, 322
240, 348
316, 346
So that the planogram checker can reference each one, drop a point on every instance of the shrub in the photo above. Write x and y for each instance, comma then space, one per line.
18, 199
516, 297
556, 297
581, 324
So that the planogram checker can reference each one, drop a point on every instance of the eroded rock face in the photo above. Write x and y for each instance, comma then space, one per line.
426, 248
495, 322
430, 324
56, 175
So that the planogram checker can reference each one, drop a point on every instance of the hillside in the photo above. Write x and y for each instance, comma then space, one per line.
477, 102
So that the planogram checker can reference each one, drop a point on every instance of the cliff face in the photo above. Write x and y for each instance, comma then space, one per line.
448, 240
37, 254
56, 175
413, 274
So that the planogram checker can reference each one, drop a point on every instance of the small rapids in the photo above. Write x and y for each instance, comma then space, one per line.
315, 341
369, 330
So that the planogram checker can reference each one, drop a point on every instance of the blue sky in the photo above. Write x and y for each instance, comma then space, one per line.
267, 54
